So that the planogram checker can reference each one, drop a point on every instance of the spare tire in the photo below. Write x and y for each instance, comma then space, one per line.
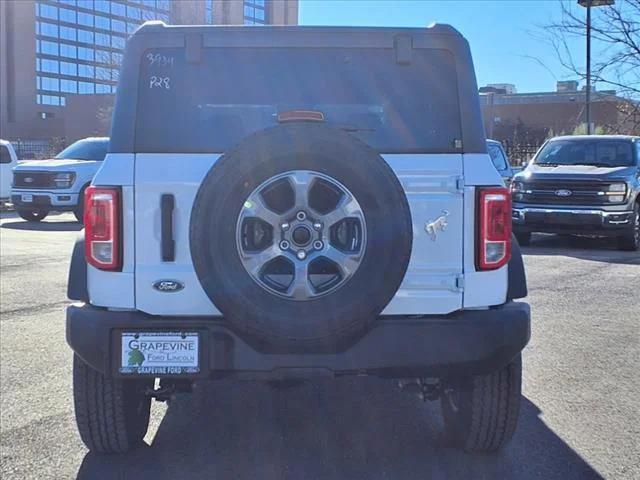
301, 235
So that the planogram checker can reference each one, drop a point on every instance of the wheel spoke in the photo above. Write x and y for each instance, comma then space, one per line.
255, 207
254, 262
346, 262
300, 287
347, 207
301, 183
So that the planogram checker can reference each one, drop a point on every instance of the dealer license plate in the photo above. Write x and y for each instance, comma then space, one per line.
27, 198
160, 353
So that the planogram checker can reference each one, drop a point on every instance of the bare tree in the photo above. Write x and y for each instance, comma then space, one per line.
616, 29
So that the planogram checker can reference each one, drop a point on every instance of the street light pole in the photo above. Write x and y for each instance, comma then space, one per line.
588, 4
588, 98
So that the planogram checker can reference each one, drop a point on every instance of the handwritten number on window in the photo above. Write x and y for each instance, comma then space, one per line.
159, 82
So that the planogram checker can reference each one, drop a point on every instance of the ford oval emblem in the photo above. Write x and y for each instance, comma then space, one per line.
563, 193
168, 286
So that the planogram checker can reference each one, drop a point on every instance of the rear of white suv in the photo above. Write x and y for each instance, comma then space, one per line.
284, 202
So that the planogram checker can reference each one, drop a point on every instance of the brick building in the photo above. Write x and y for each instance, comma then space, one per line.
532, 117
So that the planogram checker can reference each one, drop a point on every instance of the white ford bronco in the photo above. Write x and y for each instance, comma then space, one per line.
280, 203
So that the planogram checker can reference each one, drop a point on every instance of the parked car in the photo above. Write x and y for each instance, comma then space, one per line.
587, 185
500, 160
8, 160
42, 186
313, 223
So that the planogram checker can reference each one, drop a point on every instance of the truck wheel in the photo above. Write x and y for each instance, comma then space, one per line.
32, 215
631, 240
112, 415
481, 412
79, 210
524, 238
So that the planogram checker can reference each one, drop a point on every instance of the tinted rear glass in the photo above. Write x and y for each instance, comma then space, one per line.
233, 92
604, 153
5, 156
94, 150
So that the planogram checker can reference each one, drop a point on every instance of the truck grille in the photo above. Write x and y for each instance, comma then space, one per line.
33, 179
557, 193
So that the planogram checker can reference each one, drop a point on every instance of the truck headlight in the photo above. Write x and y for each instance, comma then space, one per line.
64, 180
616, 198
618, 188
517, 187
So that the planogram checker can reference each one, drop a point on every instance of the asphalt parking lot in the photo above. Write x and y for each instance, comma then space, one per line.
580, 417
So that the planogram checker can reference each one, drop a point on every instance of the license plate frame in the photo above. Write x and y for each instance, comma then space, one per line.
26, 198
159, 353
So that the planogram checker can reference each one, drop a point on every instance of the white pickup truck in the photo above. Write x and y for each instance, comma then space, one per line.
42, 186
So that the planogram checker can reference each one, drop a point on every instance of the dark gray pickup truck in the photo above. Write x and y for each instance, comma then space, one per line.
585, 185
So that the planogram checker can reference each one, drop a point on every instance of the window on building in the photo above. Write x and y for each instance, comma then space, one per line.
131, 27
103, 22
86, 54
103, 73
254, 12
208, 11
86, 87
68, 33
46, 11
118, 9
101, 6
133, 12
103, 39
80, 3
69, 51
48, 48
118, 26
67, 15
49, 66
85, 19
86, 71
69, 86
85, 36
102, 88
117, 42
70, 69
50, 83
47, 29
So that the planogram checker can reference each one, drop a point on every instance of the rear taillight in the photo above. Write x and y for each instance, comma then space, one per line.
494, 232
102, 227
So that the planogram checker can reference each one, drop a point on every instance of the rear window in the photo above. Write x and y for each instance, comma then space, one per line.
5, 156
233, 92
89, 150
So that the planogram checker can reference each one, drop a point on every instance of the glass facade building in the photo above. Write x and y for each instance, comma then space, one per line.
79, 43
255, 12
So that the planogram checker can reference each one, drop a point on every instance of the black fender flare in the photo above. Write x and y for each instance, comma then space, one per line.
517, 279
77, 286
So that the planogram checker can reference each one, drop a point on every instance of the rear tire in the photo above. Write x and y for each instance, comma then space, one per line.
524, 238
481, 412
112, 415
32, 215
630, 241
79, 210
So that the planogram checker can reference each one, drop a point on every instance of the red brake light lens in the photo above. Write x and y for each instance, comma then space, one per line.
494, 232
102, 227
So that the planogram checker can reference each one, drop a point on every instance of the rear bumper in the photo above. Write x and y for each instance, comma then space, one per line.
59, 200
571, 221
464, 343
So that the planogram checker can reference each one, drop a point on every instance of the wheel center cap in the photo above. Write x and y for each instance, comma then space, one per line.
301, 236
